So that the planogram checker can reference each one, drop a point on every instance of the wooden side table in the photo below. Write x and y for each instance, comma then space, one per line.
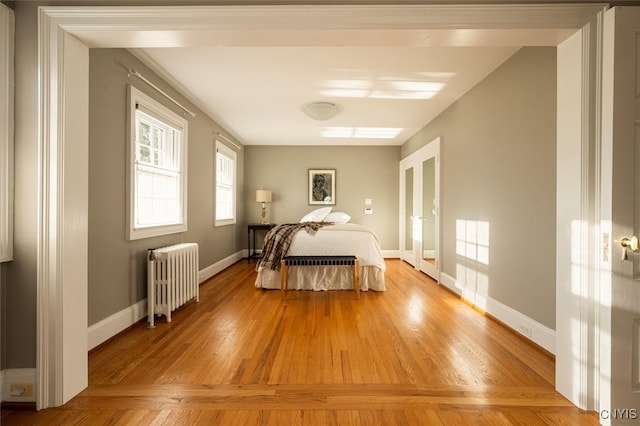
253, 228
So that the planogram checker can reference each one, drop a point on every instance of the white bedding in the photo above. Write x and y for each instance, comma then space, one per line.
342, 239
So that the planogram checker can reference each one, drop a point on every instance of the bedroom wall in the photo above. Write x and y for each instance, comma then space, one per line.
21, 273
361, 172
117, 267
499, 166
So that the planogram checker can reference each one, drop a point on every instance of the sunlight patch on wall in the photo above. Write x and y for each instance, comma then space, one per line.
472, 248
472, 240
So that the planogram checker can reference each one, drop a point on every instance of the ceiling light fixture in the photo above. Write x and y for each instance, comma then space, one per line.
320, 111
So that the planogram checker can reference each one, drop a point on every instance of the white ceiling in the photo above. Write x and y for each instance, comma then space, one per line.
387, 83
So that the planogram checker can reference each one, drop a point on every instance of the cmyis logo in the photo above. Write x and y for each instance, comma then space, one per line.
620, 413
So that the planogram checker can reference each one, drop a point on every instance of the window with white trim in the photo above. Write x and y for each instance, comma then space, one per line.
225, 185
157, 168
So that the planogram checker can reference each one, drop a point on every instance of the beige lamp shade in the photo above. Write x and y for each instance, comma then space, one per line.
263, 196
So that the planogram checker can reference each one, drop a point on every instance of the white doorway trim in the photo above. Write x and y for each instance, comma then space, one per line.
65, 33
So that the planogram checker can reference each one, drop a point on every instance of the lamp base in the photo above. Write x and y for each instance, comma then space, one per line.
264, 214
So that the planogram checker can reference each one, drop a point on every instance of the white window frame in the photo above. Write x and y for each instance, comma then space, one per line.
139, 100
7, 43
231, 154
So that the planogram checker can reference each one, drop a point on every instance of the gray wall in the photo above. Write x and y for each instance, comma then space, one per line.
499, 165
117, 267
19, 316
361, 172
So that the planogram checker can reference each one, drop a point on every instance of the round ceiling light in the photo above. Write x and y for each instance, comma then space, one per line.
320, 111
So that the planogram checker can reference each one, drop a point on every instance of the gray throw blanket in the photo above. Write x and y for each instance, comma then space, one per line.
278, 240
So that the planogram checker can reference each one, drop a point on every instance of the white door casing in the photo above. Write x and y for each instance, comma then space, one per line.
412, 247
62, 127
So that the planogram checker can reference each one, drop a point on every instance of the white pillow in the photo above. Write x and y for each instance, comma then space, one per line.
337, 217
317, 215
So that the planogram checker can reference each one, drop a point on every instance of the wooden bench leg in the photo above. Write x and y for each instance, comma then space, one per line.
283, 279
356, 277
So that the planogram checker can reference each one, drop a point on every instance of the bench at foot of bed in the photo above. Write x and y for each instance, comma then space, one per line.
319, 261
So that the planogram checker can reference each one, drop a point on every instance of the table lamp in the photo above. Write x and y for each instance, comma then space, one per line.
263, 196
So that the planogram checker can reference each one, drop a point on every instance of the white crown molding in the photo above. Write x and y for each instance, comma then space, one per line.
88, 19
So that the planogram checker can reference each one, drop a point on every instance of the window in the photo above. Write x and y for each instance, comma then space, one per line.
6, 132
157, 170
225, 185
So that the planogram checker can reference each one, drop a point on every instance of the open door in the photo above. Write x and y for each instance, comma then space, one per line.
620, 290
420, 209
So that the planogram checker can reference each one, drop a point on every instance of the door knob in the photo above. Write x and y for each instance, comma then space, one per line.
629, 243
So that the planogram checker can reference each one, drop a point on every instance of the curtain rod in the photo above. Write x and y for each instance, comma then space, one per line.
166, 95
228, 140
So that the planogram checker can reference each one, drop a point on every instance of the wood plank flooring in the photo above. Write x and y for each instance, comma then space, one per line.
413, 355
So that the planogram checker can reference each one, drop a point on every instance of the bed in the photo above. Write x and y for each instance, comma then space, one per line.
332, 239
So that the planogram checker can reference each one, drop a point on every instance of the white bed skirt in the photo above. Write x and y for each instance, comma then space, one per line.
323, 278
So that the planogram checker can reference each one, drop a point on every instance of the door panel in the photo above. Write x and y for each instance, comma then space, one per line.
620, 314
429, 262
408, 249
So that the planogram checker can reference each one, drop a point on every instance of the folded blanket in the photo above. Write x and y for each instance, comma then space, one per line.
278, 240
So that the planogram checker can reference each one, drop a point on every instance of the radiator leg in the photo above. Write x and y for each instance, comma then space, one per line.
151, 293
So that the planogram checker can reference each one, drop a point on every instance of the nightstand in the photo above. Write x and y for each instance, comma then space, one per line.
253, 228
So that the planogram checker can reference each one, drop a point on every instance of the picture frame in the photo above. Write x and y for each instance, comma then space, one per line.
322, 187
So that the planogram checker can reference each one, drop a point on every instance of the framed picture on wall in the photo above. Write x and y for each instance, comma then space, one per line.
322, 187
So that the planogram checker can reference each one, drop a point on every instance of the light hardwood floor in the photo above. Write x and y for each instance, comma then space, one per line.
413, 355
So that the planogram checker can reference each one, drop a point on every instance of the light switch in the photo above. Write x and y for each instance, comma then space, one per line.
367, 201
368, 210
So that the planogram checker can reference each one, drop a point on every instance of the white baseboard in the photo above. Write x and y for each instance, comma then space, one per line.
520, 323
24, 378
219, 266
105, 329
391, 254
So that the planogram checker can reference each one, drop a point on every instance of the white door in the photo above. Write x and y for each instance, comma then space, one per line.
620, 295
420, 209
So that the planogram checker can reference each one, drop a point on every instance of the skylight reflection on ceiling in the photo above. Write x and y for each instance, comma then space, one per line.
380, 94
384, 88
361, 132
